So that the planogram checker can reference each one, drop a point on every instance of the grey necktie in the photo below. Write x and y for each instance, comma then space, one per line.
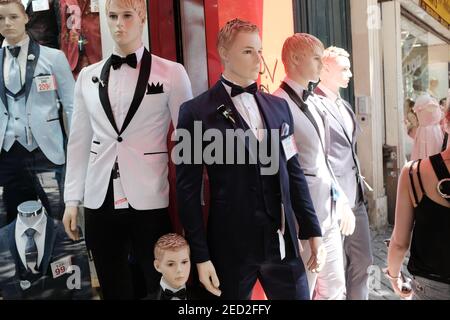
14, 83
31, 253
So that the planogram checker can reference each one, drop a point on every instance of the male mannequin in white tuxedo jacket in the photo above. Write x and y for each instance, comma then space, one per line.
302, 54
344, 128
117, 163
36, 88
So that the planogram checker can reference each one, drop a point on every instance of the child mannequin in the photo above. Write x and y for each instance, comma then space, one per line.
173, 262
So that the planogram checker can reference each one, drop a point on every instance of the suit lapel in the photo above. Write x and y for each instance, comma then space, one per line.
222, 97
303, 107
33, 49
356, 126
338, 119
266, 111
103, 93
13, 247
141, 87
2, 78
144, 75
50, 236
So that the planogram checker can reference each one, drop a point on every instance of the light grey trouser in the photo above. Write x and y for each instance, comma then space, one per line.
358, 256
328, 284
426, 289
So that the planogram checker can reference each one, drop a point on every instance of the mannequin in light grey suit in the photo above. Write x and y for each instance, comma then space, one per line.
336, 74
36, 85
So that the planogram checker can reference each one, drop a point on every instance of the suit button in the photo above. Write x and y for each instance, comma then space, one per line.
119, 139
6, 113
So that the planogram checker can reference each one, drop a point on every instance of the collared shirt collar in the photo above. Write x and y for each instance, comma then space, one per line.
39, 226
139, 53
298, 88
165, 286
330, 94
23, 44
228, 88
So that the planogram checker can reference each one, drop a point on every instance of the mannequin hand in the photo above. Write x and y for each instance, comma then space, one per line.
208, 277
70, 222
318, 255
347, 224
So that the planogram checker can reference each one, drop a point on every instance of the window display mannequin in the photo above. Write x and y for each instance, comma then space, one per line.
80, 33
249, 236
39, 261
302, 58
172, 260
336, 74
36, 92
117, 162
429, 136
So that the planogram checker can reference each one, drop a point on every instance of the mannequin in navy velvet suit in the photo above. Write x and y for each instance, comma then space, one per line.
253, 218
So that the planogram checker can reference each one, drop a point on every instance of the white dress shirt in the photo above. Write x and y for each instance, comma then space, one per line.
247, 107
23, 224
165, 286
346, 117
22, 58
122, 85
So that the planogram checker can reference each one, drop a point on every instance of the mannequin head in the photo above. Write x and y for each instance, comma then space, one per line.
239, 47
126, 19
13, 20
172, 259
30, 212
336, 71
302, 58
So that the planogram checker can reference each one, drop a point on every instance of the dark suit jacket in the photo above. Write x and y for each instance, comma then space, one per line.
57, 246
44, 26
232, 186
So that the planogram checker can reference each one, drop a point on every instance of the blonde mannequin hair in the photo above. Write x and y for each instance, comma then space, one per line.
138, 5
300, 44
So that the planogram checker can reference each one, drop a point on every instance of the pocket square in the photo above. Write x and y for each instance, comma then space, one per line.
155, 89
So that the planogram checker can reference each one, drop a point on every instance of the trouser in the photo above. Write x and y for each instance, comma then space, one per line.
281, 279
329, 283
19, 171
426, 289
358, 256
121, 242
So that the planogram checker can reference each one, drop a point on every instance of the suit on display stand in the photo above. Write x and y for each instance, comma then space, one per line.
44, 107
50, 276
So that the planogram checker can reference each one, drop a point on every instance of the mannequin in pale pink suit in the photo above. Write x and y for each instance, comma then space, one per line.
429, 136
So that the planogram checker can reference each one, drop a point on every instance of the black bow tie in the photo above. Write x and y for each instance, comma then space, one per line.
237, 90
14, 51
169, 294
116, 61
311, 87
